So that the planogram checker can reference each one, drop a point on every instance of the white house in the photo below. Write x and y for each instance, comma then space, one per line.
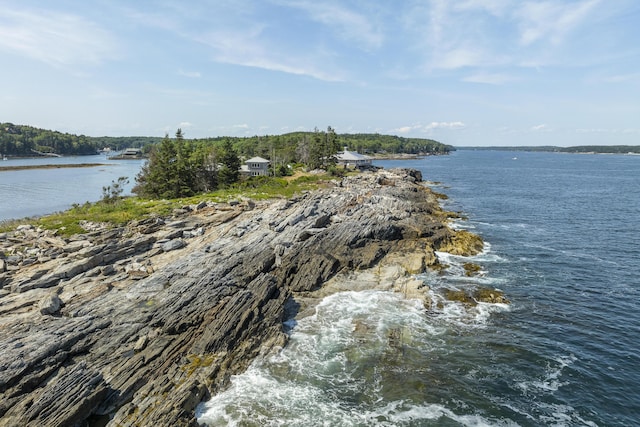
352, 159
255, 166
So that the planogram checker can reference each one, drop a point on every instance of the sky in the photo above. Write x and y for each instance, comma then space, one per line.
463, 72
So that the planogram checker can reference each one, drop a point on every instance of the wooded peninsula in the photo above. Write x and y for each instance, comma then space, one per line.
25, 141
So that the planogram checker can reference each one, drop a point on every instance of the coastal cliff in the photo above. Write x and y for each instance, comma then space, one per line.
135, 326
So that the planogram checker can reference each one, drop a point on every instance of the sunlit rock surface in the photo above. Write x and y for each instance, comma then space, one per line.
135, 326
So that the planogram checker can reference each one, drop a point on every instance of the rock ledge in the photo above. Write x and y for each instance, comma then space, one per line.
135, 326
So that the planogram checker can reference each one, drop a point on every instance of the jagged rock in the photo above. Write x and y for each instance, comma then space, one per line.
13, 259
108, 270
75, 245
193, 233
309, 232
141, 343
463, 243
144, 349
50, 304
472, 298
172, 245
460, 296
249, 204
493, 296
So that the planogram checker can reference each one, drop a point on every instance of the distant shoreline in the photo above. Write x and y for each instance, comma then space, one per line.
70, 165
580, 149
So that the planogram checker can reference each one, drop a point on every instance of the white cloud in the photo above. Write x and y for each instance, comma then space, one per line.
248, 48
551, 21
237, 33
463, 56
406, 129
429, 128
540, 128
489, 33
445, 125
457, 35
185, 125
349, 25
58, 39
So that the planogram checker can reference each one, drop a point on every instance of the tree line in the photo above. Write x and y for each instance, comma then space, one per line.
295, 147
178, 167
22, 141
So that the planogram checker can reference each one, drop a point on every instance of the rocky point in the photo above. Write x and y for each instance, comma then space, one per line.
134, 326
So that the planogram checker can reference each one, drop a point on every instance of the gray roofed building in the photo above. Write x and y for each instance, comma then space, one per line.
352, 158
255, 166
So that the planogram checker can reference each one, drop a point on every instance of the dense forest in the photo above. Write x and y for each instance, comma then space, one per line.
23, 141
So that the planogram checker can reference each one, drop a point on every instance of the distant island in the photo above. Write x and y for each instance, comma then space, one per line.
580, 149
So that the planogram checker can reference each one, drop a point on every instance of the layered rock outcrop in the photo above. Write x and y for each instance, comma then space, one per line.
135, 326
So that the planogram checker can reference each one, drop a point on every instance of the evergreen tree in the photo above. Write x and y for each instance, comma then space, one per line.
229, 173
184, 169
316, 150
169, 173
206, 174
154, 179
331, 146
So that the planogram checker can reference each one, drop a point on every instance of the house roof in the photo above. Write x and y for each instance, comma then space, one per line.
257, 160
352, 156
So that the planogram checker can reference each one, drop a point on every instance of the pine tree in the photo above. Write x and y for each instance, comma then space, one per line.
229, 173
169, 172
184, 169
331, 146
316, 150
206, 174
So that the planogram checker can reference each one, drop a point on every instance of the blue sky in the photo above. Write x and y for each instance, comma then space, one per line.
464, 72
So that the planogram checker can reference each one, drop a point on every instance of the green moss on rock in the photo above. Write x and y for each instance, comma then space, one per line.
471, 299
459, 296
471, 269
463, 243
493, 296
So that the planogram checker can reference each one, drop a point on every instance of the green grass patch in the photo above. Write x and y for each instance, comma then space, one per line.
119, 213
127, 209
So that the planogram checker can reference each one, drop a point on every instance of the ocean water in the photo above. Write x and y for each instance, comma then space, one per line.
563, 244
33, 192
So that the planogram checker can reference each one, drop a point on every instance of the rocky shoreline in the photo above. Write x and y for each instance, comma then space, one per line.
134, 326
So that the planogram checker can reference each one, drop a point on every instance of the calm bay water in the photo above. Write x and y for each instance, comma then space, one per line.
34, 192
562, 243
